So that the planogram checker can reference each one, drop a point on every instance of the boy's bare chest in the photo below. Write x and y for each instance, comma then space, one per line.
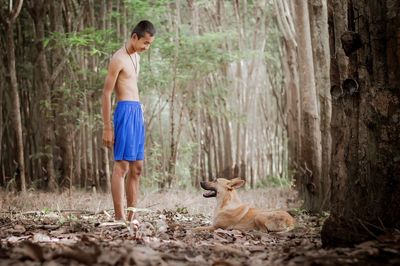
129, 69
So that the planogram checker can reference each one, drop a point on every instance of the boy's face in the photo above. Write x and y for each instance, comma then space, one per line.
143, 43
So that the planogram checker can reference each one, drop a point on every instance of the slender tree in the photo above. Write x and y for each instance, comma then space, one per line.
310, 163
321, 60
38, 11
8, 19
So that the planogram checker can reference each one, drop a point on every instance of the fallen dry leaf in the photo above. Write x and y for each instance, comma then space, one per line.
33, 251
166, 237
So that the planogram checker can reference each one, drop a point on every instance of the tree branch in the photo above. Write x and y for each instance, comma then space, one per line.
16, 10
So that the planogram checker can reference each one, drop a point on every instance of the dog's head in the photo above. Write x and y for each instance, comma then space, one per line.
220, 186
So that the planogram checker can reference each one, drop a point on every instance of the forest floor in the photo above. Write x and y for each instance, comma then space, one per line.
77, 228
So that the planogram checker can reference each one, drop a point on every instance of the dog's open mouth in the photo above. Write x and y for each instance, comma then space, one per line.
210, 193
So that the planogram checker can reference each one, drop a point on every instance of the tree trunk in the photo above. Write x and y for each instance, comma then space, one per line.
109, 13
365, 125
309, 182
172, 122
77, 144
106, 165
291, 83
2, 85
65, 135
8, 20
89, 142
321, 56
38, 12
84, 163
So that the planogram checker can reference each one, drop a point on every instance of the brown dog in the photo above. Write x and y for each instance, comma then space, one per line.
231, 213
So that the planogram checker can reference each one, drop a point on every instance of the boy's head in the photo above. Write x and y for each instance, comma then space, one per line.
142, 35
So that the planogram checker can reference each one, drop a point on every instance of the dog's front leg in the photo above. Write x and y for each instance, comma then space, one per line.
204, 228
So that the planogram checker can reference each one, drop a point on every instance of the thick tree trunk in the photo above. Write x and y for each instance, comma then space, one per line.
365, 126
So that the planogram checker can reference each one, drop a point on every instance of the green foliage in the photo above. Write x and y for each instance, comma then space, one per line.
96, 42
154, 160
46, 210
183, 170
148, 9
181, 210
180, 59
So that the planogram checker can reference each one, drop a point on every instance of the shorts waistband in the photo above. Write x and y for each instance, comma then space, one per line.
129, 103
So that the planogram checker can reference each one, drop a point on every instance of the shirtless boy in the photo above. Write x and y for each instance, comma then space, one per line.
128, 135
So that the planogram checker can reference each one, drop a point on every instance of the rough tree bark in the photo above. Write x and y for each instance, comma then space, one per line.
65, 135
365, 124
38, 10
8, 21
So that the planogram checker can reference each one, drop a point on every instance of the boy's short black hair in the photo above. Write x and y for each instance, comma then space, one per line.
142, 27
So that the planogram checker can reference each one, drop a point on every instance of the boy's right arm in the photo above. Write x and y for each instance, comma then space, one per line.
113, 70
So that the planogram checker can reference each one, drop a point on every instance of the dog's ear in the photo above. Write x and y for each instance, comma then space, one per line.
236, 183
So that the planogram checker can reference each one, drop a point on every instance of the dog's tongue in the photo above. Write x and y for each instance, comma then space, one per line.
209, 193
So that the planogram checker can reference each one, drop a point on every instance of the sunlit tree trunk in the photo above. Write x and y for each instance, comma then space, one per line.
195, 27
175, 128
321, 56
291, 78
310, 164
228, 162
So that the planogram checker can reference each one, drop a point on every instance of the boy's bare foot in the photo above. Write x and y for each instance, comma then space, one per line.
131, 216
116, 223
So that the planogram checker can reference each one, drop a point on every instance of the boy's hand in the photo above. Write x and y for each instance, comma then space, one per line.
108, 139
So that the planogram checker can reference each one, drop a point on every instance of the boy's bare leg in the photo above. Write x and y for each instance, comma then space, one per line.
117, 188
132, 186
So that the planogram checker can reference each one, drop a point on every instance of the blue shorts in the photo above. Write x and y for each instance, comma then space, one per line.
129, 131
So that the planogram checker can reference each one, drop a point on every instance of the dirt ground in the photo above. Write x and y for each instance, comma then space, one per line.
78, 229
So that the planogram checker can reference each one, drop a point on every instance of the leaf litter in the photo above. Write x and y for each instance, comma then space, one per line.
165, 237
